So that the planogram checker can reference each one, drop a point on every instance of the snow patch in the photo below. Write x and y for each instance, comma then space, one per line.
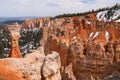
88, 22
116, 14
102, 15
74, 37
91, 34
117, 20
107, 35
96, 34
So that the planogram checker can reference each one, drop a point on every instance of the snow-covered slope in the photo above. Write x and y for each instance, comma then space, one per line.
109, 15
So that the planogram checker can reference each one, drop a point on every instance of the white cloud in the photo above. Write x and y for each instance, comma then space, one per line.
50, 7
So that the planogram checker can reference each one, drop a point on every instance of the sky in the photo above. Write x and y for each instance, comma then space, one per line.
44, 8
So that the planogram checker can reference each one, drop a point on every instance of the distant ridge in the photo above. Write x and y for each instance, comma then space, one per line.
2, 19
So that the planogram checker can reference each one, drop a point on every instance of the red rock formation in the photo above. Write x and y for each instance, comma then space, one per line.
32, 67
25, 68
89, 49
15, 35
67, 74
36, 23
87, 43
51, 67
117, 51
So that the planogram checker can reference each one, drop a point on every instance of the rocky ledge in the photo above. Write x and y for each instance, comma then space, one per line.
35, 66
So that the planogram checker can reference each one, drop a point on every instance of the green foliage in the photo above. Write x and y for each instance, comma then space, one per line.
5, 43
30, 39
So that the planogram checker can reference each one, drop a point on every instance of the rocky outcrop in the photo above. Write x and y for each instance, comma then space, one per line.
117, 51
15, 35
36, 23
35, 66
51, 67
67, 73
114, 76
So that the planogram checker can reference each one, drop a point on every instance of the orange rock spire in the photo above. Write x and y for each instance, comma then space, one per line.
15, 35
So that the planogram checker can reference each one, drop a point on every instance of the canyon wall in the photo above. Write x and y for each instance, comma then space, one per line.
92, 47
88, 49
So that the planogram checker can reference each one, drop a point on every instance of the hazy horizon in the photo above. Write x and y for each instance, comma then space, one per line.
39, 8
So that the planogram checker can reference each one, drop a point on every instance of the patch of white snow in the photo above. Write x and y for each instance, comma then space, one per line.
74, 37
91, 34
96, 34
107, 35
88, 22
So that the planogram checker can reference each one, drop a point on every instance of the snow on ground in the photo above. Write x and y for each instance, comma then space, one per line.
116, 14
107, 35
96, 34
88, 22
74, 37
91, 34
117, 20
101, 15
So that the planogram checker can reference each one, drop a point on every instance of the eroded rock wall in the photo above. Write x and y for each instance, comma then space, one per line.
91, 46
89, 50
